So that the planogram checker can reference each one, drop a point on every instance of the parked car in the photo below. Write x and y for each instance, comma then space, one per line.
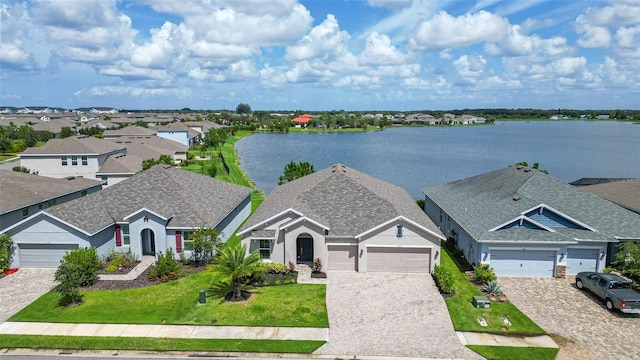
613, 289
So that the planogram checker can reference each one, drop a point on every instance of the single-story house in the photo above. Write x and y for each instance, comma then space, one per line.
24, 194
523, 222
350, 220
151, 212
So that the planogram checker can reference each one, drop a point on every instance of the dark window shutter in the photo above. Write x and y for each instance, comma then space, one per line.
179, 241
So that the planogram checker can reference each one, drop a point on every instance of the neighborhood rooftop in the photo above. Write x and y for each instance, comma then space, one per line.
74, 145
182, 197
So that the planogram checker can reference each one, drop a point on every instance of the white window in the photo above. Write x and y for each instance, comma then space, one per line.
187, 240
74, 160
64, 160
84, 160
126, 237
265, 249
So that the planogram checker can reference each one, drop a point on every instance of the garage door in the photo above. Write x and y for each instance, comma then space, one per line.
405, 260
523, 263
581, 260
43, 255
342, 257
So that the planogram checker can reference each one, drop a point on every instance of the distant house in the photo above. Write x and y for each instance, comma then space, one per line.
523, 222
625, 192
202, 127
131, 130
72, 156
150, 213
178, 132
302, 120
603, 116
22, 195
350, 220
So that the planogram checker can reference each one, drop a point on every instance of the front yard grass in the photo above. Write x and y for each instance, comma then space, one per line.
465, 316
157, 344
176, 303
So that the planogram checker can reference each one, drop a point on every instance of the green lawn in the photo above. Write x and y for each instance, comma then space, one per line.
514, 353
465, 316
157, 344
298, 305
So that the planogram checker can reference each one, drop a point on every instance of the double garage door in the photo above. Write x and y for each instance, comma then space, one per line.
381, 259
43, 255
534, 263
402, 260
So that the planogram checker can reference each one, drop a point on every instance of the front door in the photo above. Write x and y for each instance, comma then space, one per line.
305, 249
148, 242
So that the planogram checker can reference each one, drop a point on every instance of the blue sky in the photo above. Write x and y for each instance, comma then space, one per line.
321, 55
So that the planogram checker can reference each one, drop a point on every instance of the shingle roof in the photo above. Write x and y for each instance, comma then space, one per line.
190, 199
18, 189
482, 202
346, 200
74, 145
133, 130
176, 126
139, 148
626, 192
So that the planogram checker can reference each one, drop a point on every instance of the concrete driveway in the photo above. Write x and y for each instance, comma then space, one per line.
577, 321
22, 288
397, 315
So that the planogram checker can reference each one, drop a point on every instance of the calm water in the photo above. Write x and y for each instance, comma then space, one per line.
419, 157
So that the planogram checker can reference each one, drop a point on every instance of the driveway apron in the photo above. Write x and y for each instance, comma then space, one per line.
577, 320
400, 315
23, 287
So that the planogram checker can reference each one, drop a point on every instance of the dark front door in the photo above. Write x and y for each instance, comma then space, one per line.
305, 249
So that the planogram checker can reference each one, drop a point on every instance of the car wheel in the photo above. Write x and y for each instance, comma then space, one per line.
609, 304
579, 284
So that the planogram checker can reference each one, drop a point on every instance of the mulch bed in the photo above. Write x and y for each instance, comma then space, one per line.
141, 281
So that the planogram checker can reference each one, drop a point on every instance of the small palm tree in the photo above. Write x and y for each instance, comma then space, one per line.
233, 263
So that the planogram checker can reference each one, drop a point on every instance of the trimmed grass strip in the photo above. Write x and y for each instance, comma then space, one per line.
514, 353
157, 344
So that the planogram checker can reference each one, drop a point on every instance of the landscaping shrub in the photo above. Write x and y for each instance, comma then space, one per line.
116, 260
166, 268
317, 265
492, 288
77, 268
5, 244
444, 279
273, 268
483, 273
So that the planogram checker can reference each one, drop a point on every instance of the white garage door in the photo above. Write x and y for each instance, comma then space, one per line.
43, 255
581, 260
342, 257
405, 260
523, 263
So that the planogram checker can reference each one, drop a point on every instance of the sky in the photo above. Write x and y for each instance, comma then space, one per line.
353, 55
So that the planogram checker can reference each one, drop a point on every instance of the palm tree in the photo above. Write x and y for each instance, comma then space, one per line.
233, 263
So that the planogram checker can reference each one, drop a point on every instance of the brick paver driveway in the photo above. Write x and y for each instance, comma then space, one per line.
579, 322
389, 315
23, 287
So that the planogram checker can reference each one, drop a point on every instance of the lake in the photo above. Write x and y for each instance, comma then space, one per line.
419, 157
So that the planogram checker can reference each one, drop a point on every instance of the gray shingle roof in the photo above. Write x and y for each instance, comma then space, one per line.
18, 189
482, 202
347, 201
131, 130
626, 192
74, 145
193, 200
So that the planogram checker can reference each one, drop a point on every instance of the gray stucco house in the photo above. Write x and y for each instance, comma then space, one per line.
350, 220
148, 213
523, 222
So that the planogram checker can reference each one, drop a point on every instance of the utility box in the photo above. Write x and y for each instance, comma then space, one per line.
481, 302
203, 297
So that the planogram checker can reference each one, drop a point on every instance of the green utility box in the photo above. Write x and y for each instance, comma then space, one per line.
481, 302
203, 297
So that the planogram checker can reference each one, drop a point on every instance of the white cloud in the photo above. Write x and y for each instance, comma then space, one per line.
360, 81
568, 66
445, 31
423, 84
122, 91
322, 41
629, 37
380, 51
593, 36
470, 68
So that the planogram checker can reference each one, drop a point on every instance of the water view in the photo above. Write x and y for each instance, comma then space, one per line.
419, 157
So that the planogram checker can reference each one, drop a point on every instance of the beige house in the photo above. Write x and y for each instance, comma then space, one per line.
350, 220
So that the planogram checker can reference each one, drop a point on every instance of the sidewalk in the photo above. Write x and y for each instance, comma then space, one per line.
472, 338
165, 331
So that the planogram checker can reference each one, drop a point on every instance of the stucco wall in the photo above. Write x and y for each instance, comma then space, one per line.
232, 222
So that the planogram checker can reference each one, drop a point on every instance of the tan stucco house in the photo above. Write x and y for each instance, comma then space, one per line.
350, 220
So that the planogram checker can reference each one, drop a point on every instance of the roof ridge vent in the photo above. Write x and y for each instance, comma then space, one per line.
516, 198
519, 167
527, 169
